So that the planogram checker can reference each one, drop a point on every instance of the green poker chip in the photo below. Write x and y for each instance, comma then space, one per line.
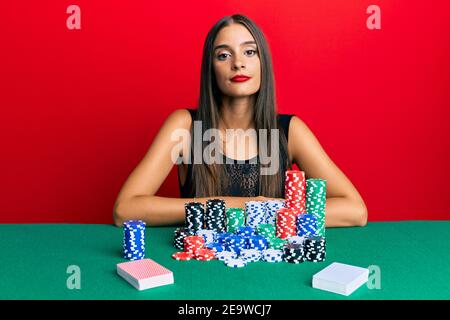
316, 201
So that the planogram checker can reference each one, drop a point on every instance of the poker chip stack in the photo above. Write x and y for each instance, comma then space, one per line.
315, 249
216, 247
272, 206
194, 216
294, 253
295, 190
272, 255
296, 240
277, 243
226, 255
205, 254
245, 246
255, 212
272, 231
235, 262
194, 248
306, 225
250, 255
235, 219
193, 243
178, 237
215, 216
134, 239
231, 259
315, 202
208, 235
222, 237
245, 231
257, 242
286, 223
235, 243
182, 256
266, 230
219, 244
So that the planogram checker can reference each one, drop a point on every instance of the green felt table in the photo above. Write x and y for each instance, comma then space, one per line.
413, 257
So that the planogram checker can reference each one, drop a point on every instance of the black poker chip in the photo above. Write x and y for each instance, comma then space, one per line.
179, 235
215, 215
194, 216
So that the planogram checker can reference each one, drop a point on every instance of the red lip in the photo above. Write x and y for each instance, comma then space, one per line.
240, 78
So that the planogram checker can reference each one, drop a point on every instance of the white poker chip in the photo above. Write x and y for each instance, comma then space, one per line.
250, 255
273, 255
226, 255
296, 239
235, 263
246, 252
273, 259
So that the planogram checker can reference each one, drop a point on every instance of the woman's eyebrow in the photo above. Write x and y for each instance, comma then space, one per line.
227, 46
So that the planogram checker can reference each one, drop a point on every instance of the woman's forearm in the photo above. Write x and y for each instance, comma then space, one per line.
155, 210
345, 212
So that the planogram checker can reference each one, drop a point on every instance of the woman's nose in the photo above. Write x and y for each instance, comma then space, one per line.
238, 64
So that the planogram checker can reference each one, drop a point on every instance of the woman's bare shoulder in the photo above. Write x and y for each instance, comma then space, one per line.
179, 119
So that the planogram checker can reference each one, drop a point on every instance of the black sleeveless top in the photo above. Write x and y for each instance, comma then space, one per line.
243, 174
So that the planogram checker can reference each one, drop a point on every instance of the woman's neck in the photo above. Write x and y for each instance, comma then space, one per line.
237, 113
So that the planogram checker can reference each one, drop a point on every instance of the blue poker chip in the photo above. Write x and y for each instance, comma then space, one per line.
235, 243
217, 247
222, 237
307, 225
245, 231
234, 248
134, 239
134, 224
258, 242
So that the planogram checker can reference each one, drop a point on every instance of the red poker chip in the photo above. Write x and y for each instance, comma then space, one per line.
205, 252
194, 239
202, 258
183, 256
295, 174
193, 251
205, 255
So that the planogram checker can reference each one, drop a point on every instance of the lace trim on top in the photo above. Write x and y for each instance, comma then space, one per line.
243, 178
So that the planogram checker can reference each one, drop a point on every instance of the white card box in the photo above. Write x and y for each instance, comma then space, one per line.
340, 278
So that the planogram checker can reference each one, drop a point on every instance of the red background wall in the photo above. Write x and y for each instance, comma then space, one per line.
79, 108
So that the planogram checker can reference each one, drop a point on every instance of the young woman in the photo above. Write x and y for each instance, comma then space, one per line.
237, 91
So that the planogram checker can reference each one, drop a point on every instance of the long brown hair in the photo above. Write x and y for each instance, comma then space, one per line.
211, 180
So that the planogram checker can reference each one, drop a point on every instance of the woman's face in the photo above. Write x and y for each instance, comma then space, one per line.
234, 55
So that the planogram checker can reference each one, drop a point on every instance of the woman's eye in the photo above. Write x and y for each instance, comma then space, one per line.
221, 56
